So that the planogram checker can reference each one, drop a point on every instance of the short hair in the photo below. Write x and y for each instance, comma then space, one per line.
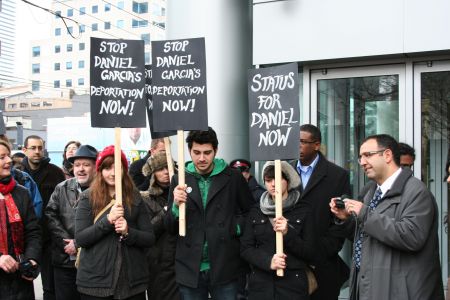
6, 145
32, 137
18, 154
313, 130
155, 142
406, 149
387, 142
202, 137
269, 173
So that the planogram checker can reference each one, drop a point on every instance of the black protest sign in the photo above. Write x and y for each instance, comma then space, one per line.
148, 94
117, 83
179, 85
274, 112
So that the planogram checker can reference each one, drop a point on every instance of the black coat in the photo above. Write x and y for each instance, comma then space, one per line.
47, 177
99, 243
135, 170
258, 248
31, 229
227, 205
161, 256
327, 181
60, 213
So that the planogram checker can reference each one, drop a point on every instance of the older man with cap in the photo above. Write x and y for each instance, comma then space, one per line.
60, 212
244, 166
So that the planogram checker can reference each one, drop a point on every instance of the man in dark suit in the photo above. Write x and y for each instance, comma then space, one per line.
321, 181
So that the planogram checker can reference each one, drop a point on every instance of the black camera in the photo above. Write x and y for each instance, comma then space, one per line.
339, 203
27, 269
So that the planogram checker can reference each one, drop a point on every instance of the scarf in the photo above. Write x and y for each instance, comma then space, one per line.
9, 209
267, 204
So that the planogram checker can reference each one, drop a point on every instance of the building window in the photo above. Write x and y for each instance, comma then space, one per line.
69, 65
35, 104
69, 47
36, 68
107, 25
107, 7
56, 84
81, 46
35, 84
80, 81
57, 14
70, 30
146, 38
94, 27
147, 57
81, 64
57, 31
120, 23
140, 8
57, 66
36, 51
139, 23
68, 82
57, 48
12, 105
82, 28
82, 11
70, 12
157, 10
45, 103
120, 4
95, 9
23, 105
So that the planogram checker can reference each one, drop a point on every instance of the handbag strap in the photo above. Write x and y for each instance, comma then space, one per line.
111, 203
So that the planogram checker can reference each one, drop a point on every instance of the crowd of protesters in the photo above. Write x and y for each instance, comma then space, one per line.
66, 224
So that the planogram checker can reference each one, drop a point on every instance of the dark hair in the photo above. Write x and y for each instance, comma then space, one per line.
406, 149
313, 130
32, 137
387, 142
269, 174
18, 154
202, 137
67, 145
447, 165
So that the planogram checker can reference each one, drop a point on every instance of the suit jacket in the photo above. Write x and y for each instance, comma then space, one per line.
327, 181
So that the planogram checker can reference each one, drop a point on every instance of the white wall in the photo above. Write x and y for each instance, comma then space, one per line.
306, 30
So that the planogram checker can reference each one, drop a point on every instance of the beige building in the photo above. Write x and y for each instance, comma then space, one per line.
60, 65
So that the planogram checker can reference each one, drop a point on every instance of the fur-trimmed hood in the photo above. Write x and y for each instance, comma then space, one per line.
288, 171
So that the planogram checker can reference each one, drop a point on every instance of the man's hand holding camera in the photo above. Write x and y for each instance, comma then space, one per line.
349, 208
28, 268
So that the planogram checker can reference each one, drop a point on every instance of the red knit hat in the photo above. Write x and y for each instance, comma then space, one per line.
109, 151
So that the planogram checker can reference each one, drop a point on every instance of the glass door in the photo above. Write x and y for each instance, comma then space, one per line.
432, 135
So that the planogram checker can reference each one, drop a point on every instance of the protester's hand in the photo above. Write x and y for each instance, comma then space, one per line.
34, 265
70, 248
278, 261
8, 263
179, 194
353, 206
341, 214
116, 212
121, 226
280, 224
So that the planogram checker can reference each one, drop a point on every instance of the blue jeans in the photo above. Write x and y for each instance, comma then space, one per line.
226, 291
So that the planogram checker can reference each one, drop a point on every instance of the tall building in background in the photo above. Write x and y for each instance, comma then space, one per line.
7, 41
60, 65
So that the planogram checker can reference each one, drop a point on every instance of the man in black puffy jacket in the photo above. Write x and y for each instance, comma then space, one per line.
60, 213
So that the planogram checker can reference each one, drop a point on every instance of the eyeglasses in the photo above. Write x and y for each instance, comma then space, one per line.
305, 142
368, 154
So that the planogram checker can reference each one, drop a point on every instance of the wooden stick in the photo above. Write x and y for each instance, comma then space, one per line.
169, 157
278, 210
117, 166
181, 181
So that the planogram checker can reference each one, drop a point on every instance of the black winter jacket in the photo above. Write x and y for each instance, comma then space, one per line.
99, 243
60, 212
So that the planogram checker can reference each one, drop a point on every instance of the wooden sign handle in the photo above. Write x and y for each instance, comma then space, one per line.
181, 182
278, 210
169, 157
117, 166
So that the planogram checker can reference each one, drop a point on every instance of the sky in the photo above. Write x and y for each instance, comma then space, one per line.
32, 23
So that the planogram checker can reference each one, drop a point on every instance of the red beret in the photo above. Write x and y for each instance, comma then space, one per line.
109, 151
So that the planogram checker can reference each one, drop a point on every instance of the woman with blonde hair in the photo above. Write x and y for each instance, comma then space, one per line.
114, 237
